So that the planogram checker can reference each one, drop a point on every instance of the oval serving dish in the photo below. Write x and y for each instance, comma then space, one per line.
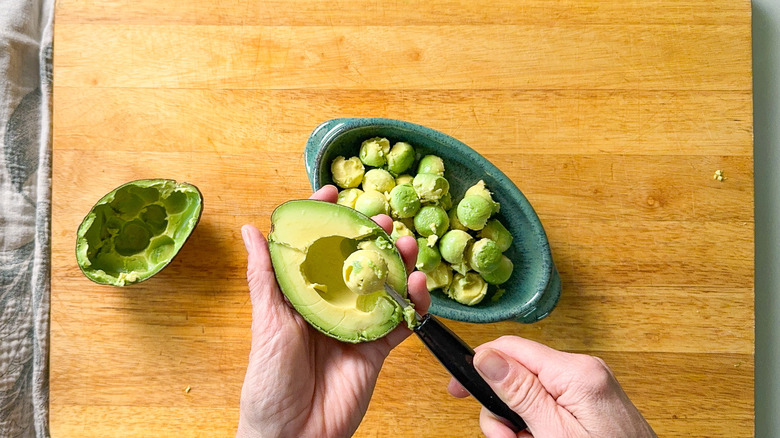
534, 287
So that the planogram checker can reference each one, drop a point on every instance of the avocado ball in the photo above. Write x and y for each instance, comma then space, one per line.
408, 221
347, 173
371, 203
454, 222
431, 164
474, 211
501, 274
479, 189
400, 229
445, 201
373, 152
497, 232
430, 187
431, 220
462, 267
453, 244
365, 271
348, 197
404, 179
379, 180
428, 257
404, 201
467, 289
484, 256
440, 277
400, 158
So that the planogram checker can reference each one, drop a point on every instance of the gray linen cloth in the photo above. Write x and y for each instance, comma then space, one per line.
25, 208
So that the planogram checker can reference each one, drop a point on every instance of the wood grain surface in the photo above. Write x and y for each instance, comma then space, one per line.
611, 116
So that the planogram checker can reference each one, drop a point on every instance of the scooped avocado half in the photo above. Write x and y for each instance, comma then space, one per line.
135, 230
309, 242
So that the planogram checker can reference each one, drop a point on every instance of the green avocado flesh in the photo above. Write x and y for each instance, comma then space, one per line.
134, 231
309, 242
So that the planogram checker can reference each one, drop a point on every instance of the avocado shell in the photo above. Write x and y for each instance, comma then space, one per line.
308, 244
136, 230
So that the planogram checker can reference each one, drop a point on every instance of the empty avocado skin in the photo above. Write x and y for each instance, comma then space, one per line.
308, 242
134, 231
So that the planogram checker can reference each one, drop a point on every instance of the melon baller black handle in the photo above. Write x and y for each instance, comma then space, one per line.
458, 358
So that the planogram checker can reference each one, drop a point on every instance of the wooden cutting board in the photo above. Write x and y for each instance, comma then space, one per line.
612, 117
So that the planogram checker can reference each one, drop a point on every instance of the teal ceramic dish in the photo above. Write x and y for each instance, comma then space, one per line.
534, 287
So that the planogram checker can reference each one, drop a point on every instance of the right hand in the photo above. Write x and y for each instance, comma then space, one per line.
557, 394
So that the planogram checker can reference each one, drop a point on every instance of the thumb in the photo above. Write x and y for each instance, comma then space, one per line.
519, 388
263, 289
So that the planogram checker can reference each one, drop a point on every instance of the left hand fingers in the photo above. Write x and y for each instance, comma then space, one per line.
418, 292
456, 389
407, 246
492, 427
384, 221
328, 193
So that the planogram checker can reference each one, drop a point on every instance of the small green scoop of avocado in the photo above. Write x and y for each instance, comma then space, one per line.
135, 230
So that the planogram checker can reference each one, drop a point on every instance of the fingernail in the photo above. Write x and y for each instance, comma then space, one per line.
247, 239
492, 366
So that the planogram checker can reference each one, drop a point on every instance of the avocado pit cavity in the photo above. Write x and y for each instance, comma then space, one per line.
324, 267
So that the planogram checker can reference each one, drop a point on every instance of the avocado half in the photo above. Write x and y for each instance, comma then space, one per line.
308, 242
135, 230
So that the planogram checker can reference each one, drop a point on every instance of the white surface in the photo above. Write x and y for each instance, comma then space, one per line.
766, 107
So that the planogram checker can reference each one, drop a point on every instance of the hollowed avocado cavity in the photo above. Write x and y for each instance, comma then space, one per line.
309, 242
322, 270
134, 231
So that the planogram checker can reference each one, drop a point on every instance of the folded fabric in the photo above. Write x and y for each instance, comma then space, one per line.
25, 206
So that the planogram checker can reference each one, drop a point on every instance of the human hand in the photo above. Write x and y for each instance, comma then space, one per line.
300, 382
558, 394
